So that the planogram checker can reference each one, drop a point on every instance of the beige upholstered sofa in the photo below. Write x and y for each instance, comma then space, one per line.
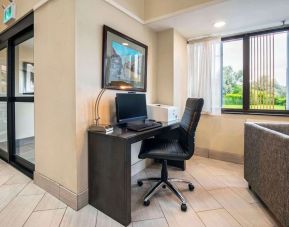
266, 163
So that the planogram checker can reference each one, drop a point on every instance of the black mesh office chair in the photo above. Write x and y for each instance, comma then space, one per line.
178, 146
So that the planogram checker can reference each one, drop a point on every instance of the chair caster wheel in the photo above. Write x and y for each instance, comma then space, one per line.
184, 207
139, 183
146, 203
191, 187
164, 186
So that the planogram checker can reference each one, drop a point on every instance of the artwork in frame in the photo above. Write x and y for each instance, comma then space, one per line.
28, 79
124, 62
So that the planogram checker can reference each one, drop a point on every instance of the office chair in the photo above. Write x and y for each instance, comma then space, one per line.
178, 145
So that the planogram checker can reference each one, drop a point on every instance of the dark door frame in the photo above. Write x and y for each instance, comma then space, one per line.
18, 33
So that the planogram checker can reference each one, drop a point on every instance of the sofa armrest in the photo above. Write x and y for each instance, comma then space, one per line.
279, 127
266, 167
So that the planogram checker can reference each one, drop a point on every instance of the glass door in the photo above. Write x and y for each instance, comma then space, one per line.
17, 95
23, 100
3, 104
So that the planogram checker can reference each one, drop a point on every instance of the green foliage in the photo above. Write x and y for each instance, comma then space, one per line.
233, 90
281, 101
233, 99
280, 90
232, 81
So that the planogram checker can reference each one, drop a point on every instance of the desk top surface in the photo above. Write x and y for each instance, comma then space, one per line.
124, 133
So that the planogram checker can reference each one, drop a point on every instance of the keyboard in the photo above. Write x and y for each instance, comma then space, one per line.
139, 127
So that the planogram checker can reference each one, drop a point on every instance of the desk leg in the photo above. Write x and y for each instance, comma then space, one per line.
109, 171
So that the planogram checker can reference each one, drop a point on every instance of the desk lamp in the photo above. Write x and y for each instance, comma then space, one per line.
97, 126
106, 127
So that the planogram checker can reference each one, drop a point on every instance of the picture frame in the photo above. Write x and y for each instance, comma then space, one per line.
124, 62
28, 78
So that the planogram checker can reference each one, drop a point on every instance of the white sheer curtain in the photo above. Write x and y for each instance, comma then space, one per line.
204, 73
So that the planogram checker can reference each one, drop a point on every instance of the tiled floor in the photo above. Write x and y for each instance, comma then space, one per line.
221, 198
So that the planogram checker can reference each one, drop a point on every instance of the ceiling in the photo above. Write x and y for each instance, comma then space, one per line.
239, 15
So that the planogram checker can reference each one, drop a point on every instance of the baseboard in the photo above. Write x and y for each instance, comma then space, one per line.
203, 152
71, 199
219, 155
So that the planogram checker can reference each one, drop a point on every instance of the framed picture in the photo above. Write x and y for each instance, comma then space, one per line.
28, 79
124, 62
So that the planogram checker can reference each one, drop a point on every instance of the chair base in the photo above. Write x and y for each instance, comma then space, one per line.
164, 182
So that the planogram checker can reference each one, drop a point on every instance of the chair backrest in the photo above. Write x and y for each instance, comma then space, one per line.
189, 124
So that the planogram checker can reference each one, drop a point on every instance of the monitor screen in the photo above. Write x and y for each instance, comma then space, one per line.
130, 107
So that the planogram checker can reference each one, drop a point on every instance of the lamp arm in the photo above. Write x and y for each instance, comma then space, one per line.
96, 106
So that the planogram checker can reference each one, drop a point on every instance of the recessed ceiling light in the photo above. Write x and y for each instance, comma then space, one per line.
125, 44
219, 24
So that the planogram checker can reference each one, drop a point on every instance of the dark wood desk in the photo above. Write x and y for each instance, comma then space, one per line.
109, 169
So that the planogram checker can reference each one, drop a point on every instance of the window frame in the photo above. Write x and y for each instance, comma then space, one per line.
246, 73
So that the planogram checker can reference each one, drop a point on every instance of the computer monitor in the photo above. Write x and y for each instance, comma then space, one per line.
130, 107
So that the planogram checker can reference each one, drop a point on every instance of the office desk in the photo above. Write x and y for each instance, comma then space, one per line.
109, 169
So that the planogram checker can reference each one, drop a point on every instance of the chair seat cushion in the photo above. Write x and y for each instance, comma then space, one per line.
163, 149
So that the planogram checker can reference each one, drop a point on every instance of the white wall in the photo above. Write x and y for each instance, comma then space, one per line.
155, 9
165, 69
55, 100
172, 69
180, 71
133, 7
24, 112
91, 15
225, 134
24, 120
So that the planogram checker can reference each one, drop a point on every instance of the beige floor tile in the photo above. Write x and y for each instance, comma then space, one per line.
138, 210
47, 218
221, 198
49, 202
218, 218
8, 170
200, 199
32, 189
140, 175
266, 214
18, 210
2, 162
245, 213
173, 214
206, 179
4, 178
2, 166
233, 181
105, 221
8, 193
246, 194
153, 170
217, 167
84, 217
19, 179
151, 223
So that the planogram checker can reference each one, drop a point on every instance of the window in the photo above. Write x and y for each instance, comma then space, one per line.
255, 75
233, 74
